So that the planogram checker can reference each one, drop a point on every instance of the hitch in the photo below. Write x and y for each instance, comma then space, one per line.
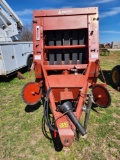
67, 107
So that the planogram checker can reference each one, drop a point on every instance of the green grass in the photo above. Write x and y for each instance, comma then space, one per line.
21, 134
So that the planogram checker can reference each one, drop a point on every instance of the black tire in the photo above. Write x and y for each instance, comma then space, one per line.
29, 64
115, 76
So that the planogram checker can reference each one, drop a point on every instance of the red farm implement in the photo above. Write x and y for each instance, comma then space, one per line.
66, 66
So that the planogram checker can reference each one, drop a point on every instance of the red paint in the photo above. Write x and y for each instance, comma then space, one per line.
66, 57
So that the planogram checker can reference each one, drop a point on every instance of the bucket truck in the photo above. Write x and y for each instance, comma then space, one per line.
14, 54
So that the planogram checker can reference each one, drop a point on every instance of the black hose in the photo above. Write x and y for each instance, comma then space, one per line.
46, 117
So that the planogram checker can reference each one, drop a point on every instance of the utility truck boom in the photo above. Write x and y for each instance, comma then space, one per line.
13, 55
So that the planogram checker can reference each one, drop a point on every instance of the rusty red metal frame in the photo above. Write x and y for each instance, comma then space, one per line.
71, 84
65, 47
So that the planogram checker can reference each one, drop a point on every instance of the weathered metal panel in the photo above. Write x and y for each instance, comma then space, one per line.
8, 57
65, 12
64, 81
68, 22
22, 51
2, 68
14, 55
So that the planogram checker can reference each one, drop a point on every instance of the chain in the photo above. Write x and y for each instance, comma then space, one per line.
101, 72
75, 134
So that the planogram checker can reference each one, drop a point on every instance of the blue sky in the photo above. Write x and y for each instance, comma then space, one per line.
109, 13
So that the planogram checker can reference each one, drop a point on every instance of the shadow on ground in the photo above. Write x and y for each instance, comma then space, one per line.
32, 108
10, 77
106, 74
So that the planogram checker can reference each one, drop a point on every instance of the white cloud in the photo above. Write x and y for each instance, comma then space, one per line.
111, 32
113, 12
102, 1
24, 12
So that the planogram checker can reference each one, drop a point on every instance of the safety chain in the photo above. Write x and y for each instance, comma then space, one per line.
98, 62
74, 131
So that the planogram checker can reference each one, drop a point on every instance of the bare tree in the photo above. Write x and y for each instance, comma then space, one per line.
26, 34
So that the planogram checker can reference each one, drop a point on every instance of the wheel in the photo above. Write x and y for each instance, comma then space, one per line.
101, 96
30, 61
31, 93
115, 76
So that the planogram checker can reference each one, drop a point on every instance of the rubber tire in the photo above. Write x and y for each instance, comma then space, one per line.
115, 72
29, 64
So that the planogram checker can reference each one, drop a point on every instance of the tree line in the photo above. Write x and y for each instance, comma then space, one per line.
26, 33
